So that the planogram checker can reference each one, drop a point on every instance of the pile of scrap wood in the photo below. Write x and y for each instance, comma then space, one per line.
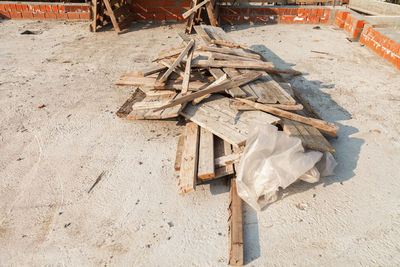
220, 87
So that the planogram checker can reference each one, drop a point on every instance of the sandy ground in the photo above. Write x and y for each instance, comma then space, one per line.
50, 157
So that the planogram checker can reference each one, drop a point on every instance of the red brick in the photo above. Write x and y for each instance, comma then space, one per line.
360, 24
25, 8
50, 15
307, 12
62, 15
327, 11
36, 7
73, 15
320, 12
48, 8
288, 11
61, 8
31, 7
38, 15
294, 11
19, 7
281, 11
2, 7
286, 19
16, 15
6, 7
313, 20
323, 20
27, 15
13, 7
300, 12
5, 14
43, 8
85, 16
257, 11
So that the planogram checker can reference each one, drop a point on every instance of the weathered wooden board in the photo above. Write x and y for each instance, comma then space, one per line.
235, 227
188, 170
206, 155
216, 115
179, 150
139, 106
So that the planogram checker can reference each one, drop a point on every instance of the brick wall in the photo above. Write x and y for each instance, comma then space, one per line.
341, 18
37, 10
383, 42
267, 15
354, 25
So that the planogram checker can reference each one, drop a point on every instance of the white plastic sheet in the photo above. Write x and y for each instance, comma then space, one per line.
272, 159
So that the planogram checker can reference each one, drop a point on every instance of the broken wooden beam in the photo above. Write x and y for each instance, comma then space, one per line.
235, 227
194, 9
328, 128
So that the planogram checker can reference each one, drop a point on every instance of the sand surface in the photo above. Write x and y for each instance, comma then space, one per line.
50, 157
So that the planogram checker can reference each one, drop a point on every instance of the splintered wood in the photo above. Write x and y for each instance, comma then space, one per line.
222, 89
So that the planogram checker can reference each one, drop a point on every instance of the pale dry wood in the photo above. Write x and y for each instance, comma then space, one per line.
228, 151
244, 106
236, 81
185, 83
218, 117
228, 159
328, 128
176, 50
211, 13
229, 44
168, 64
194, 9
126, 108
177, 61
238, 64
202, 33
111, 15
188, 170
151, 70
245, 90
222, 50
217, 81
235, 227
235, 91
206, 155
221, 56
179, 150
150, 82
310, 137
190, 21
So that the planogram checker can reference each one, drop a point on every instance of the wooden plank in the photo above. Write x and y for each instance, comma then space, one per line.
179, 150
177, 70
190, 21
243, 106
211, 13
194, 9
222, 56
235, 227
218, 117
149, 82
137, 96
238, 64
177, 61
185, 83
228, 159
201, 98
206, 155
188, 170
111, 15
229, 51
151, 70
236, 81
326, 127
310, 137
203, 34
169, 52
229, 44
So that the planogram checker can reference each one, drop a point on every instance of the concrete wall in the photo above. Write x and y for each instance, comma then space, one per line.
375, 7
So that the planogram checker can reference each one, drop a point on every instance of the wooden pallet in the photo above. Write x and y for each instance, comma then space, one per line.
115, 11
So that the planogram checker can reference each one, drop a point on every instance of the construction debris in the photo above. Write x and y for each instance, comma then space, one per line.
221, 88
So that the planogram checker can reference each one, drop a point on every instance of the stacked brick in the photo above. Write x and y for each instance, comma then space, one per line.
32, 10
354, 25
159, 10
341, 17
274, 15
384, 43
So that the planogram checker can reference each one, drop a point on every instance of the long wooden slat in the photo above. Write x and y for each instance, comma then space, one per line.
194, 9
230, 51
190, 21
216, 82
236, 81
188, 170
229, 44
179, 151
235, 227
243, 106
222, 56
185, 82
151, 70
177, 61
137, 96
328, 128
211, 13
206, 155
111, 15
